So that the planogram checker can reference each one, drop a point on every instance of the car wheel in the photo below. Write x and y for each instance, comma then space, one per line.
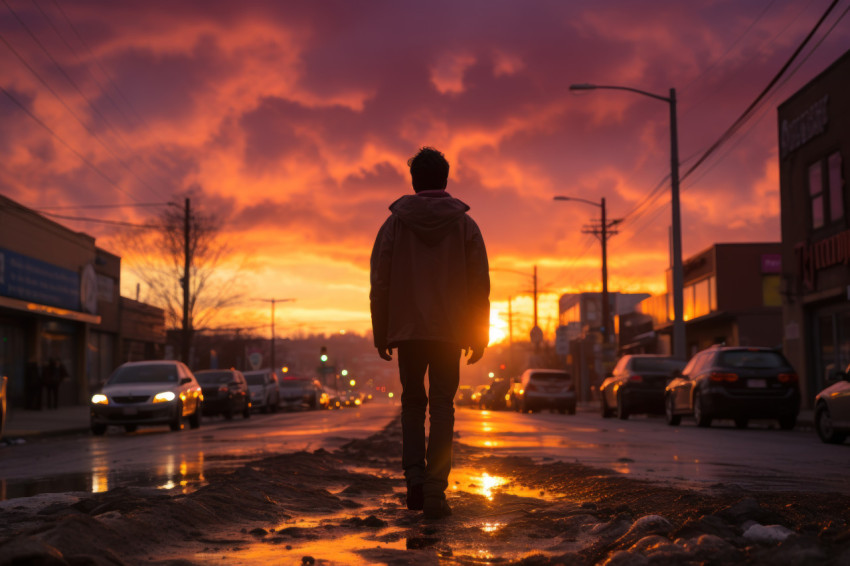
607, 413
246, 410
622, 410
175, 423
742, 422
130, 428
228, 413
670, 412
195, 419
824, 426
702, 419
98, 429
787, 423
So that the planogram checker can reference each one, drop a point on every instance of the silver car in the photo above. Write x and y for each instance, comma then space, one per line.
546, 389
262, 384
832, 410
160, 392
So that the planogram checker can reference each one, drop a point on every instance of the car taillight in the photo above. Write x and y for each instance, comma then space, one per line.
223, 389
721, 376
636, 379
788, 378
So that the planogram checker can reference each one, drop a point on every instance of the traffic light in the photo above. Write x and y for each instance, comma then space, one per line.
323, 354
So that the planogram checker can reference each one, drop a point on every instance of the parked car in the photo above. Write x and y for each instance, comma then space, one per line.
3, 380
147, 393
262, 384
547, 389
296, 392
493, 397
832, 410
739, 383
636, 385
225, 392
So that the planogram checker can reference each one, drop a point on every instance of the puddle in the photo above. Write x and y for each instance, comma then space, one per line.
489, 485
175, 476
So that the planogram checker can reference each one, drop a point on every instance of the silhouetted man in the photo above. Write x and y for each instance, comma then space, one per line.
430, 300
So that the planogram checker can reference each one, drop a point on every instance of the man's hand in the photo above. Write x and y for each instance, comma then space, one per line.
386, 354
477, 352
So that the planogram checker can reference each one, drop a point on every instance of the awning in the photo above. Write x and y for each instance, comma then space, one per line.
47, 310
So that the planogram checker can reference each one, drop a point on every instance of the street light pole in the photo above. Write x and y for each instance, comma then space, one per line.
678, 276
273, 301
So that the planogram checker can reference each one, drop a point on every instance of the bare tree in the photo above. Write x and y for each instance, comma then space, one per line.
158, 258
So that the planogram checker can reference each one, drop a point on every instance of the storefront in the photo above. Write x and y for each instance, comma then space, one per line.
814, 144
60, 311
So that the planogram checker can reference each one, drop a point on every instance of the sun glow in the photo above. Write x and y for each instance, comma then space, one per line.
498, 327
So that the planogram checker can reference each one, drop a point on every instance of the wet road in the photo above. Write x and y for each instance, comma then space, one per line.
177, 461
646, 447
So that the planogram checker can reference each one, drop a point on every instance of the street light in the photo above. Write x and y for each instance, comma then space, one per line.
606, 308
678, 302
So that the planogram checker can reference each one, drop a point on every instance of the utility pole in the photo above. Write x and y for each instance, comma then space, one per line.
603, 232
272, 363
187, 265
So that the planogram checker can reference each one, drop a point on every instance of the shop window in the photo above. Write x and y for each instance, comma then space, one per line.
816, 194
836, 187
688, 301
702, 298
712, 290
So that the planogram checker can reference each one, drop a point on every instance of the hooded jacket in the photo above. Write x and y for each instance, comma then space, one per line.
429, 274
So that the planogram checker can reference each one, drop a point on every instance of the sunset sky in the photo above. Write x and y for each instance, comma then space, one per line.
293, 121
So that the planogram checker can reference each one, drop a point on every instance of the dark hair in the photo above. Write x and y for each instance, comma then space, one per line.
429, 170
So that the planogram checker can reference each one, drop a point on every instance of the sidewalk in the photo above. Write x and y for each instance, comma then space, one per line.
23, 423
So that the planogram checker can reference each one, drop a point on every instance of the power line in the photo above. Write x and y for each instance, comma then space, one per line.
58, 97
98, 220
747, 112
63, 142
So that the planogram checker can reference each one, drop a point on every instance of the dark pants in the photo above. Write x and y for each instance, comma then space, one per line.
430, 467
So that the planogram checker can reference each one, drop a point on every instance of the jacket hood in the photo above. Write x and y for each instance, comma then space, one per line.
431, 216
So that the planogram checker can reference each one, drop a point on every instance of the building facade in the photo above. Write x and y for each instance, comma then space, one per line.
814, 144
59, 300
731, 296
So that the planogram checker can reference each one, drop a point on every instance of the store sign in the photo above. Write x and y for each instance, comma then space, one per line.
771, 263
815, 256
29, 279
795, 133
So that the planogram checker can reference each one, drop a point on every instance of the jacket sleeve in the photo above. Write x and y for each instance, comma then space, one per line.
478, 287
379, 275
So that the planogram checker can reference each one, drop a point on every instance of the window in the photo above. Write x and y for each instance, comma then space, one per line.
816, 194
836, 187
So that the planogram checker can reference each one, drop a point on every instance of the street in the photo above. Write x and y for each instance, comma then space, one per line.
324, 487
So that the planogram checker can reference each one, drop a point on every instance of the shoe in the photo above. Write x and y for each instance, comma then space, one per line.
415, 497
436, 508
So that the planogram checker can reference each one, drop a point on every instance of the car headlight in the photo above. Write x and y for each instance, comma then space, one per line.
99, 399
164, 397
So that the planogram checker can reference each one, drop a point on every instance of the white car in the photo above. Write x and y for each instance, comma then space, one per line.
547, 389
262, 384
162, 392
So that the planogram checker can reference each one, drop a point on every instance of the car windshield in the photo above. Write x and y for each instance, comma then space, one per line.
752, 359
155, 373
551, 376
212, 377
656, 364
255, 378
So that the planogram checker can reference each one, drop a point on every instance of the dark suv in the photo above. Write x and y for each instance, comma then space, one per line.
225, 392
736, 383
636, 385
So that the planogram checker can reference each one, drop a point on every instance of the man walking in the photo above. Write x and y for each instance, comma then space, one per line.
429, 300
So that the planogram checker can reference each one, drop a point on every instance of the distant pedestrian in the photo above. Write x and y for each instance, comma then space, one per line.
52, 376
430, 289
33, 385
